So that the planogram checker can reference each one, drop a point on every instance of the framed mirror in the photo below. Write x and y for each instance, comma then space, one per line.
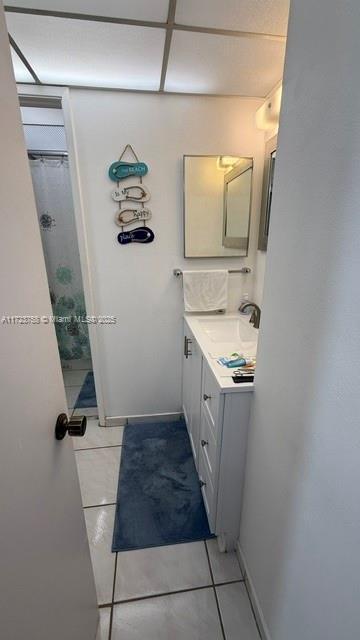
266, 201
217, 206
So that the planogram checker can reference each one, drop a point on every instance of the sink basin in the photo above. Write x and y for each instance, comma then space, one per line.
232, 330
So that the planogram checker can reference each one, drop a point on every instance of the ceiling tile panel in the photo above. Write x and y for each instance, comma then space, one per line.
20, 71
203, 63
154, 10
78, 52
259, 16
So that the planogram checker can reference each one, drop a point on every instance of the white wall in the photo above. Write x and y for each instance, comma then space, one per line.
259, 277
300, 527
141, 355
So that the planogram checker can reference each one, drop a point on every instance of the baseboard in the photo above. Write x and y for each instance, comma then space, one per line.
263, 628
120, 421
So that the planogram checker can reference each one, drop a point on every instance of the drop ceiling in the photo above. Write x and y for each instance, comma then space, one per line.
184, 46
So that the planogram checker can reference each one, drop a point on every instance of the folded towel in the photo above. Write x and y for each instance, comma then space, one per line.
205, 290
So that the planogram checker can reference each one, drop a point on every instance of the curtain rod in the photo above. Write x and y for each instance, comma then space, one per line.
47, 152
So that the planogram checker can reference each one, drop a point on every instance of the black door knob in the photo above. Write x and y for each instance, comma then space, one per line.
76, 426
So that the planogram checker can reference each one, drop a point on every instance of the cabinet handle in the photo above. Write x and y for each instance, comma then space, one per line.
202, 483
206, 397
187, 341
204, 443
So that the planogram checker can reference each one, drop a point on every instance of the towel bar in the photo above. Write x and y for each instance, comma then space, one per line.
177, 272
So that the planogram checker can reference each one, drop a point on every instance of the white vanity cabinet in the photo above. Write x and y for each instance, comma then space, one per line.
217, 417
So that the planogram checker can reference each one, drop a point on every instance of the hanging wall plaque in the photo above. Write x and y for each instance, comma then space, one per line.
128, 216
120, 170
143, 235
134, 192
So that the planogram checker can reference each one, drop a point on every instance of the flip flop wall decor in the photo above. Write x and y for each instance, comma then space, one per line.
128, 216
137, 193
121, 170
143, 235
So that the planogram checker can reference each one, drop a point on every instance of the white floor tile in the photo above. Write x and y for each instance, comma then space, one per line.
161, 570
236, 613
182, 616
100, 527
225, 566
71, 395
98, 471
104, 624
74, 377
96, 436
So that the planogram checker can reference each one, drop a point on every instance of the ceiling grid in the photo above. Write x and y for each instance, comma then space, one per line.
169, 32
203, 59
23, 59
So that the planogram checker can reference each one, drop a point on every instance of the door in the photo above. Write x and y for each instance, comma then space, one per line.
46, 581
192, 366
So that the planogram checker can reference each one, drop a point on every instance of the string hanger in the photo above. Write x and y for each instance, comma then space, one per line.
129, 147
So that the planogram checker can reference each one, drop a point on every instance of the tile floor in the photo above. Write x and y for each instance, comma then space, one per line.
180, 592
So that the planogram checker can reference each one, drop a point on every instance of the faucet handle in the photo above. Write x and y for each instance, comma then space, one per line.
242, 306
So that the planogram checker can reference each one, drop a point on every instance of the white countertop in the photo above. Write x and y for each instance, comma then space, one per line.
227, 342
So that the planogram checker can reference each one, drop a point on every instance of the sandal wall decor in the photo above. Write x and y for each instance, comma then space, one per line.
131, 199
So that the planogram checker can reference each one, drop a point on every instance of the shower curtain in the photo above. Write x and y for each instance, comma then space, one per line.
55, 209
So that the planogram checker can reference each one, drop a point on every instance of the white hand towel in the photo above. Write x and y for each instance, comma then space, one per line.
205, 290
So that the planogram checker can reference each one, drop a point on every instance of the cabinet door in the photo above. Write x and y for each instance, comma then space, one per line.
192, 365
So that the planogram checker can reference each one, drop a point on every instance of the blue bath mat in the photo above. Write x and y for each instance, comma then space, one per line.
87, 396
159, 501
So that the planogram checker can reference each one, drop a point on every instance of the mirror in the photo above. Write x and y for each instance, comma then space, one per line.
269, 169
237, 201
217, 205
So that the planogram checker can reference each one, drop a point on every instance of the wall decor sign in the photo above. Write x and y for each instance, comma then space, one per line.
137, 193
121, 170
128, 216
134, 192
143, 235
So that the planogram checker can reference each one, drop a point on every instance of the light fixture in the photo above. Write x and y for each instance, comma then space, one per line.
224, 163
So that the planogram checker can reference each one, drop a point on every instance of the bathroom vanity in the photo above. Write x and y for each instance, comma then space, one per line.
216, 411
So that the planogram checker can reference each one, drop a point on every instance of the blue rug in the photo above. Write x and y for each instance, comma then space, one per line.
159, 501
87, 396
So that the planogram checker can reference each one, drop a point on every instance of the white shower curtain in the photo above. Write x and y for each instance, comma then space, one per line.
53, 197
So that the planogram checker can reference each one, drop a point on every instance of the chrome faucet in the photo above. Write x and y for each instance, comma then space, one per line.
255, 316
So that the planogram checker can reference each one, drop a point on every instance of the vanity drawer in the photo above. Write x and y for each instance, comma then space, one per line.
208, 442
207, 491
210, 393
